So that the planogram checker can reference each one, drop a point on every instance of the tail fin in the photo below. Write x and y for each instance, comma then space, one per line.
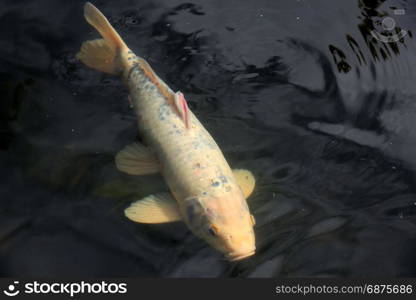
101, 54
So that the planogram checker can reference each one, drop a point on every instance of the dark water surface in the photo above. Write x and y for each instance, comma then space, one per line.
299, 92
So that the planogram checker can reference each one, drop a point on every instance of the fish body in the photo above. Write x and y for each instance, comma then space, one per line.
205, 193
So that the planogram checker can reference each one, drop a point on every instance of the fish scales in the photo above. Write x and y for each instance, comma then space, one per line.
176, 153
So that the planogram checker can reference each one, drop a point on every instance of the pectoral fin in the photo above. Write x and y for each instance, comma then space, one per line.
136, 159
245, 180
159, 208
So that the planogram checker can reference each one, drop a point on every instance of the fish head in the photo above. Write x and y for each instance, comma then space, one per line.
226, 224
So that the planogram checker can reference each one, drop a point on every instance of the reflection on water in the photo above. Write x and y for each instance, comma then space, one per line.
301, 93
381, 38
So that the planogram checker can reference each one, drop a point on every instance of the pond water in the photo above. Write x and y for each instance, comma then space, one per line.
308, 95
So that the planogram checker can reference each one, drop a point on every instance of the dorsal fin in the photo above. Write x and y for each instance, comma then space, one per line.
182, 108
176, 100
163, 88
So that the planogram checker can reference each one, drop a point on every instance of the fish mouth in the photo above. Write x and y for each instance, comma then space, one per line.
234, 256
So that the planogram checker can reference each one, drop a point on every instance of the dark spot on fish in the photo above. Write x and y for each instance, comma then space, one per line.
178, 131
227, 188
204, 193
223, 179
216, 183
198, 165
194, 212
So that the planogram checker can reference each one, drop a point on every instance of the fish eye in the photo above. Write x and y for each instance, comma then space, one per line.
213, 230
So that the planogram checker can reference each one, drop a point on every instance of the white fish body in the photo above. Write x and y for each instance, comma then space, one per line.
205, 193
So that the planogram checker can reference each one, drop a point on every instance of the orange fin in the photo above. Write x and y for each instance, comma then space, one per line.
182, 108
245, 180
101, 54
